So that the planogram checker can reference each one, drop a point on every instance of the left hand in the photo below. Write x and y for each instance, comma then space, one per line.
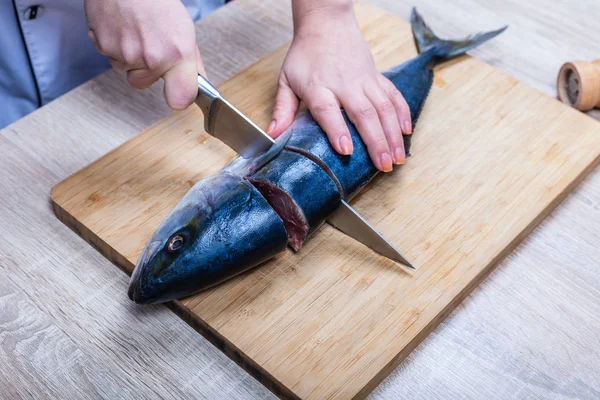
328, 66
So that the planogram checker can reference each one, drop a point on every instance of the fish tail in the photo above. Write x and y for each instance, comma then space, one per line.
426, 40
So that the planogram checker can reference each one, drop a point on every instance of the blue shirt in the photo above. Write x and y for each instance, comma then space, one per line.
45, 51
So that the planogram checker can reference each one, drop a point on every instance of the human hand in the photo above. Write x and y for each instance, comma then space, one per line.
329, 65
149, 39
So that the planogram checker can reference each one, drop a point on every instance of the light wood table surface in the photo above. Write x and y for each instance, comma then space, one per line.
67, 328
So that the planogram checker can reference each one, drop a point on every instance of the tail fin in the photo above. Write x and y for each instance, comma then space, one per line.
425, 39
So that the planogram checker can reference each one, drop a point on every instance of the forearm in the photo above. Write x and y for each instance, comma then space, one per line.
310, 14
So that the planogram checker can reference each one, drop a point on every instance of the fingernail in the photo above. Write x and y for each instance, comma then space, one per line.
272, 126
406, 128
399, 156
345, 145
386, 162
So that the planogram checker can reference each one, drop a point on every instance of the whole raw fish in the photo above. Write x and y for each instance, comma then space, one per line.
253, 208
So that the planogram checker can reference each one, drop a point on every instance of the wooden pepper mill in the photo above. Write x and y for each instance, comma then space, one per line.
578, 84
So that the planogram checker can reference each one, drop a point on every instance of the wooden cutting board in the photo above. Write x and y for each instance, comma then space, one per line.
491, 158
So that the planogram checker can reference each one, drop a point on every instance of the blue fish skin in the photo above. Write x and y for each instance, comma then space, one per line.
414, 79
250, 210
299, 191
226, 226
350, 173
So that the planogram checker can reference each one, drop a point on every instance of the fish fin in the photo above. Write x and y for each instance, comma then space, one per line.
426, 40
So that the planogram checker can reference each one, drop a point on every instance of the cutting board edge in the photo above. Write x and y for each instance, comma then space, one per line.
466, 291
215, 338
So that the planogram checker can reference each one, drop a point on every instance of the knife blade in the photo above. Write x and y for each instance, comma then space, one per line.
350, 222
225, 122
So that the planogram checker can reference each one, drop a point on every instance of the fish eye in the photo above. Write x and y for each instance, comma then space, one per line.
175, 243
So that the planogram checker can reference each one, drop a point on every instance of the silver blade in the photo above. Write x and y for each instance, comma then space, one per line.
226, 123
234, 129
347, 220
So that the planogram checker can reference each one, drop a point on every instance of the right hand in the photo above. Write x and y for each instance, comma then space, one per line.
149, 39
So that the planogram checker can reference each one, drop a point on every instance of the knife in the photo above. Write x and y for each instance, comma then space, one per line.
349, 221
226, 123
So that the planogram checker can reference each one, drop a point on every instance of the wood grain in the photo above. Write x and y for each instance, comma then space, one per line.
528, 331
334, 319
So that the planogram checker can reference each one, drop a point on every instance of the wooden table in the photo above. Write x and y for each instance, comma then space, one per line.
67, 328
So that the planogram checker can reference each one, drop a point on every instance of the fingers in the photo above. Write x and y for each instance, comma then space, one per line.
181, 81
181, 84
284, 110
402, 108
105, 44
138, 75
325, 109
389, 120
118, 65
142, 78
364, 116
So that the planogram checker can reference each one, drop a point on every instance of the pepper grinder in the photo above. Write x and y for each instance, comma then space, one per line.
578, 84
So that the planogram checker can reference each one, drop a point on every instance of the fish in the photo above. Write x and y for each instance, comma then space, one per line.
253, 209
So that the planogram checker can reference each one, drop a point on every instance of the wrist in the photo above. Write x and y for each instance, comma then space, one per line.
314, 16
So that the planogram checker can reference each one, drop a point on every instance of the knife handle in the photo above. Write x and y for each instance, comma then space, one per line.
207, 93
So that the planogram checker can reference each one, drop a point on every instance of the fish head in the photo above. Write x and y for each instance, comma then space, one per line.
170, 247
211, 235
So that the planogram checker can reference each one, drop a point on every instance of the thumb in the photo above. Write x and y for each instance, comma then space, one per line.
284, 110
181, 84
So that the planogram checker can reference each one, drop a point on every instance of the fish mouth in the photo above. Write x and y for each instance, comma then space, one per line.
135, 291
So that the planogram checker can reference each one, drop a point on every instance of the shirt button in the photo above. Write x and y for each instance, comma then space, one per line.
33, 12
